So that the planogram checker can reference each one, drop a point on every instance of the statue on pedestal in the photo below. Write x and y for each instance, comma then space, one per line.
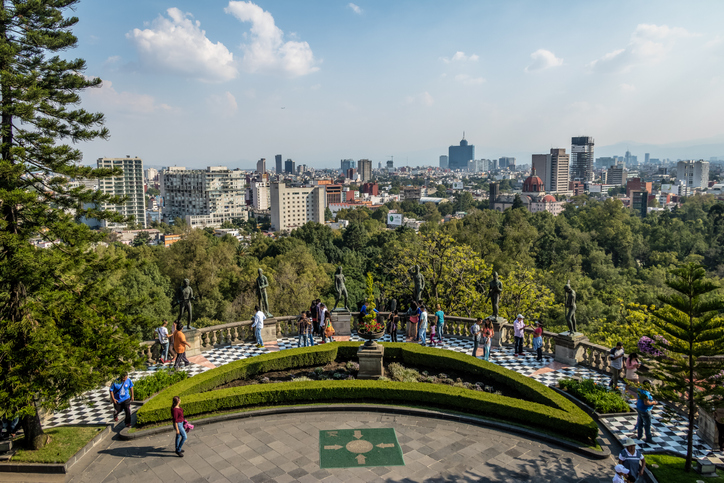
494, 292
184, 296
570, 308
261, 284
341, 289
419, 280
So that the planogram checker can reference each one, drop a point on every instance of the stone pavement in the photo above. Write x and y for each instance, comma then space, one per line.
285, 448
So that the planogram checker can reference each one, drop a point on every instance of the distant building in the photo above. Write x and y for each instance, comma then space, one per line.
694, 174
493, 195
639, 202
616, 175
129, 184
458, 156
533, 197
582, 159
553, 169
292, 207
506, 163
444, 162
647, 157
289, 166
372, 189
638, 184
261, 166
334, 193
151, 174
278, 162
260, 195
576, 187
390, 165
365, 169
346, 164
412, 193
350, 173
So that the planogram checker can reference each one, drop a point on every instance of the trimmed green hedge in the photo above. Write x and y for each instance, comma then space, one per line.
545, 409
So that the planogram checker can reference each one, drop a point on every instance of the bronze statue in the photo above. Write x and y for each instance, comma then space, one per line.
419, 280
496, 288
570, 308
341, 289
184, 297
261, 284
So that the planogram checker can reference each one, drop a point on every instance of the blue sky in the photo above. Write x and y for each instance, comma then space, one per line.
192, 83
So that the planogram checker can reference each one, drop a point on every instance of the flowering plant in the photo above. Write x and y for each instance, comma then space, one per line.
369, 322
650, 346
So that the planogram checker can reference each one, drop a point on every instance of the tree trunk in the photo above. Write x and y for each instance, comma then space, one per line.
35, 438
692, 388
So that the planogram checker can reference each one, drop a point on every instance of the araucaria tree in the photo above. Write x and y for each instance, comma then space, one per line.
692, 324
60, 332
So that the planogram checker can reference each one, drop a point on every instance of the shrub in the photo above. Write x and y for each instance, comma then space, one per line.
400, 373
598, 396
149, 385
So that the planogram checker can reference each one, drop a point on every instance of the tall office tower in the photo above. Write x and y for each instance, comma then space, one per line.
346, 164
559, 171
390, 165
694, 174
493, 195
261, 166
151, 174
443, 162
616, 175
605, 162
365, 169
582, 159
647, 157
203, 197
279, 165
494, 164
260, 195
542, 165
289, 166
129, 184
458, 156
293, 207
628, 159
506, 162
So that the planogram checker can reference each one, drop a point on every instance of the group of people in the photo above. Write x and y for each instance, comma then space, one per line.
631, 464
178, 348
309, 326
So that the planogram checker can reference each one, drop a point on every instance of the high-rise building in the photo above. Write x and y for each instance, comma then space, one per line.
647, 157
289, 166
203, 197
506, 162
261, 166
559, 171
694, 174
260, 195
334, 193
542, 164
129, 184
639, 202
365, 169
582, 159
605, 162
458, 156
151, 175
292, 207
390, 165
616, 175
443, 161
493, 195
278, 161
346, 164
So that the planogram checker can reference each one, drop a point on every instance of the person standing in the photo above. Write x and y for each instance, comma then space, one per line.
413, 320
518, 331
538, 341
122, 395
257, 325
475, 333
302, 330
632, 365
616, 363
177, 416
180, 345
440, 316
422, 332
621, 474
393, 326
162, 336
313, 312
308, 331
644, 404
487, 335
632, 459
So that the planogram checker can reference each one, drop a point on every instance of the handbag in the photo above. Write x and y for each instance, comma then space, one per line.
188, 426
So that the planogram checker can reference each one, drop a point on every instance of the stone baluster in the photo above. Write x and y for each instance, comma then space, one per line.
149, 354
235, 335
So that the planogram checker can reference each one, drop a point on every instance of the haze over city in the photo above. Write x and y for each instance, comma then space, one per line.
196, 84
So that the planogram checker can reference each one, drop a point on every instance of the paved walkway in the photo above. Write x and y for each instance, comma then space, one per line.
285, 448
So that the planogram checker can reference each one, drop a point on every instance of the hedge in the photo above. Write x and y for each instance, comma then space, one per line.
545, 410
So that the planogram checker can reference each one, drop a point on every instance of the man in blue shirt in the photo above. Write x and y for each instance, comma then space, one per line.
644, 405
122, 395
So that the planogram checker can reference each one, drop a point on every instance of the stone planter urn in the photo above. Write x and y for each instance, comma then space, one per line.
370, 356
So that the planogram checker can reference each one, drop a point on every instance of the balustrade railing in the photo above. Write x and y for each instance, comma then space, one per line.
595, 356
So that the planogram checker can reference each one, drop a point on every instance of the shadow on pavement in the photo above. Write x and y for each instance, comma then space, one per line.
140, 452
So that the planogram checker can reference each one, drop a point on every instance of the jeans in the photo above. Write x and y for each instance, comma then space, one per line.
11, 426
257, 335
393, 333
486, 353
439, 331
644, 423
615, 376
476, 342
181, 357
180, 437
124, 406
518, 345
421, 334
164, 345
302, 340
310, 340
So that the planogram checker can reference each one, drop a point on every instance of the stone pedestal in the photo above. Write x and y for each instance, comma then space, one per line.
193, 337
341, 322
706, 427
568, 347
370, 362
269, 331
498, 323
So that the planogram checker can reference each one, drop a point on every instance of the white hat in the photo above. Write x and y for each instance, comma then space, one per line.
621, 469
520, 316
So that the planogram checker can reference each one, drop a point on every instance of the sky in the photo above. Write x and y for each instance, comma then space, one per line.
196, 84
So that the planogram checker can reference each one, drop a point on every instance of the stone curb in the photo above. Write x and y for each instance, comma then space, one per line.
56, 468
427, 413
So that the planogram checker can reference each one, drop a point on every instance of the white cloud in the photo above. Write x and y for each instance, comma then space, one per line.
267, 52
225, 104
460, 57
543, 59
649, 44
627, 87
469, 80
178, 45
109, 98
424, 99
355, 8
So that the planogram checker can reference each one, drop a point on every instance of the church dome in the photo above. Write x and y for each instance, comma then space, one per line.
533, 184
549, 199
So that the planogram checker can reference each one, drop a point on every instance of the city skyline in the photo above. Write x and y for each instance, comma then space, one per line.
231, 82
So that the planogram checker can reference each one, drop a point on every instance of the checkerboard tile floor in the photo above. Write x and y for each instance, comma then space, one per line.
230, 353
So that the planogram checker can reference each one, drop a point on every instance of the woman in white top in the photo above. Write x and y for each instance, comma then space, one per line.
422, 332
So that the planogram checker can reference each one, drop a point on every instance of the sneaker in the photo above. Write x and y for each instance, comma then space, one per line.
180, 454
115, 417
262, 347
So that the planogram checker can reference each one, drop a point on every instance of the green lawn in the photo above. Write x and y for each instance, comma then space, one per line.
671, 470
64, 443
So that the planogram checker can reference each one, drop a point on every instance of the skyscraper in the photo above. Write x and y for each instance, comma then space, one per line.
128, 184
647, 156
542, 165
582, 158
278, 159
559, 166
694, 174
293, 207
458, 156
506, 162
443, 162
365, 169
289, 166
390, 165
261, 166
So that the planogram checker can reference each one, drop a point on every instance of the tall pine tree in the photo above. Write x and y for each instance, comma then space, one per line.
60, 332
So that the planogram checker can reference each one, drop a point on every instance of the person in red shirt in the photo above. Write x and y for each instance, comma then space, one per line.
538, 340
177, 414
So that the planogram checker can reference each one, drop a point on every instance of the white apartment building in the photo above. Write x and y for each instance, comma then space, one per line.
260, 195
694, 174
204, 198
295, 206
129, 184
553, 170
